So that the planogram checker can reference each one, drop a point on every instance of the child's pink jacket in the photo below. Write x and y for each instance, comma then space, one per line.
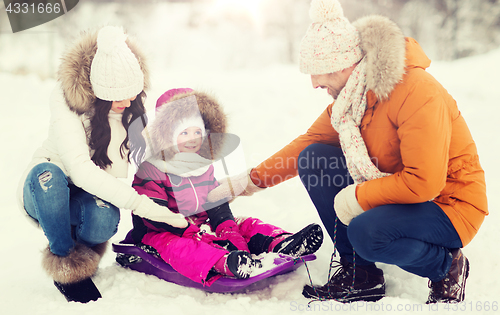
186, 195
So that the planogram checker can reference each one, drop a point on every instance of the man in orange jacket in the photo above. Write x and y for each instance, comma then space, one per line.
390, 166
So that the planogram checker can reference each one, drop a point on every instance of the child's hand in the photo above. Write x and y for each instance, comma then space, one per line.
231, 187
148, 209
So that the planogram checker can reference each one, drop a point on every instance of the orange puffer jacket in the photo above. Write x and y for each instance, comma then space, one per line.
417, 134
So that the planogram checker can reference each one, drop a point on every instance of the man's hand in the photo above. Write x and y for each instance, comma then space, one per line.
231, 187
346, 205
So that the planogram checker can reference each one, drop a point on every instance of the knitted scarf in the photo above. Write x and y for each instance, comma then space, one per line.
347, 112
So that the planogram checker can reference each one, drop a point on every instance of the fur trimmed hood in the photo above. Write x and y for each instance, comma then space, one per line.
183, 106
74, 71
384, 45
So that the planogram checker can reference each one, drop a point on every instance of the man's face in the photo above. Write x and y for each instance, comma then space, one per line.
333, 82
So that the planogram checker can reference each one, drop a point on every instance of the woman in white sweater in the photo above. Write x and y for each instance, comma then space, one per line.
71, 187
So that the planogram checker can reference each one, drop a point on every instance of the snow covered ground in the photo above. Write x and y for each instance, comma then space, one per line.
267, 107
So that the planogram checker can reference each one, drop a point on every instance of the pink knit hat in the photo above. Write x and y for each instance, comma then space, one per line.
167, 96
331, 43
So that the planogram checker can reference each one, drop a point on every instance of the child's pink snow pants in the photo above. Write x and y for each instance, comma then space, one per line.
194, 256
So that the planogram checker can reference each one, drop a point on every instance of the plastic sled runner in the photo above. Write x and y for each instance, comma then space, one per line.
140, 260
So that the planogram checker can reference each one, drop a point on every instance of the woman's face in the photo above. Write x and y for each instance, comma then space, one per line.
189, 140
119, 106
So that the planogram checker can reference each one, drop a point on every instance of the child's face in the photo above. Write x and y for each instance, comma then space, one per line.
189, 140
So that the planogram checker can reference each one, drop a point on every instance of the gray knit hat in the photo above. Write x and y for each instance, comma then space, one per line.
331, 43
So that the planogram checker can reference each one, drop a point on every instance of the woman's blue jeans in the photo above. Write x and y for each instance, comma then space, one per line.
67, 213
415, 237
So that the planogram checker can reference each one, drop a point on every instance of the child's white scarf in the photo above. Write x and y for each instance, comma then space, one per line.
183, 164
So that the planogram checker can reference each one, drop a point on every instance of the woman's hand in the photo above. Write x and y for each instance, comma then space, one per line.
148, 209
231, 187
346, 204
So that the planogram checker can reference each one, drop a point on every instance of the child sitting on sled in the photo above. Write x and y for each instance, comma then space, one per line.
179, 175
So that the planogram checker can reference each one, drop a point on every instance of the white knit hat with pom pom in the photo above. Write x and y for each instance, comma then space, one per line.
331, 43
115, 73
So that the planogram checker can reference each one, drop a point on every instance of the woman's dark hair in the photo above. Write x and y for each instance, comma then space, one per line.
100, 135
135, 120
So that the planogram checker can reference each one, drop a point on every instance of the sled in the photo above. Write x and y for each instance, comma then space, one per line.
143, 260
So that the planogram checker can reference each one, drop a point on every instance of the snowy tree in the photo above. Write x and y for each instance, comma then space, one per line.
452, 29
447, 29
238, 34
287, 20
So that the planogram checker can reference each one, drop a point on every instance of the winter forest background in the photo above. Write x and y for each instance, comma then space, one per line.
244, 52
248, 33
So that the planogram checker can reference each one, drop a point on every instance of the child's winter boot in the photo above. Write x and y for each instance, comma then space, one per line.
306, 241
239, 264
